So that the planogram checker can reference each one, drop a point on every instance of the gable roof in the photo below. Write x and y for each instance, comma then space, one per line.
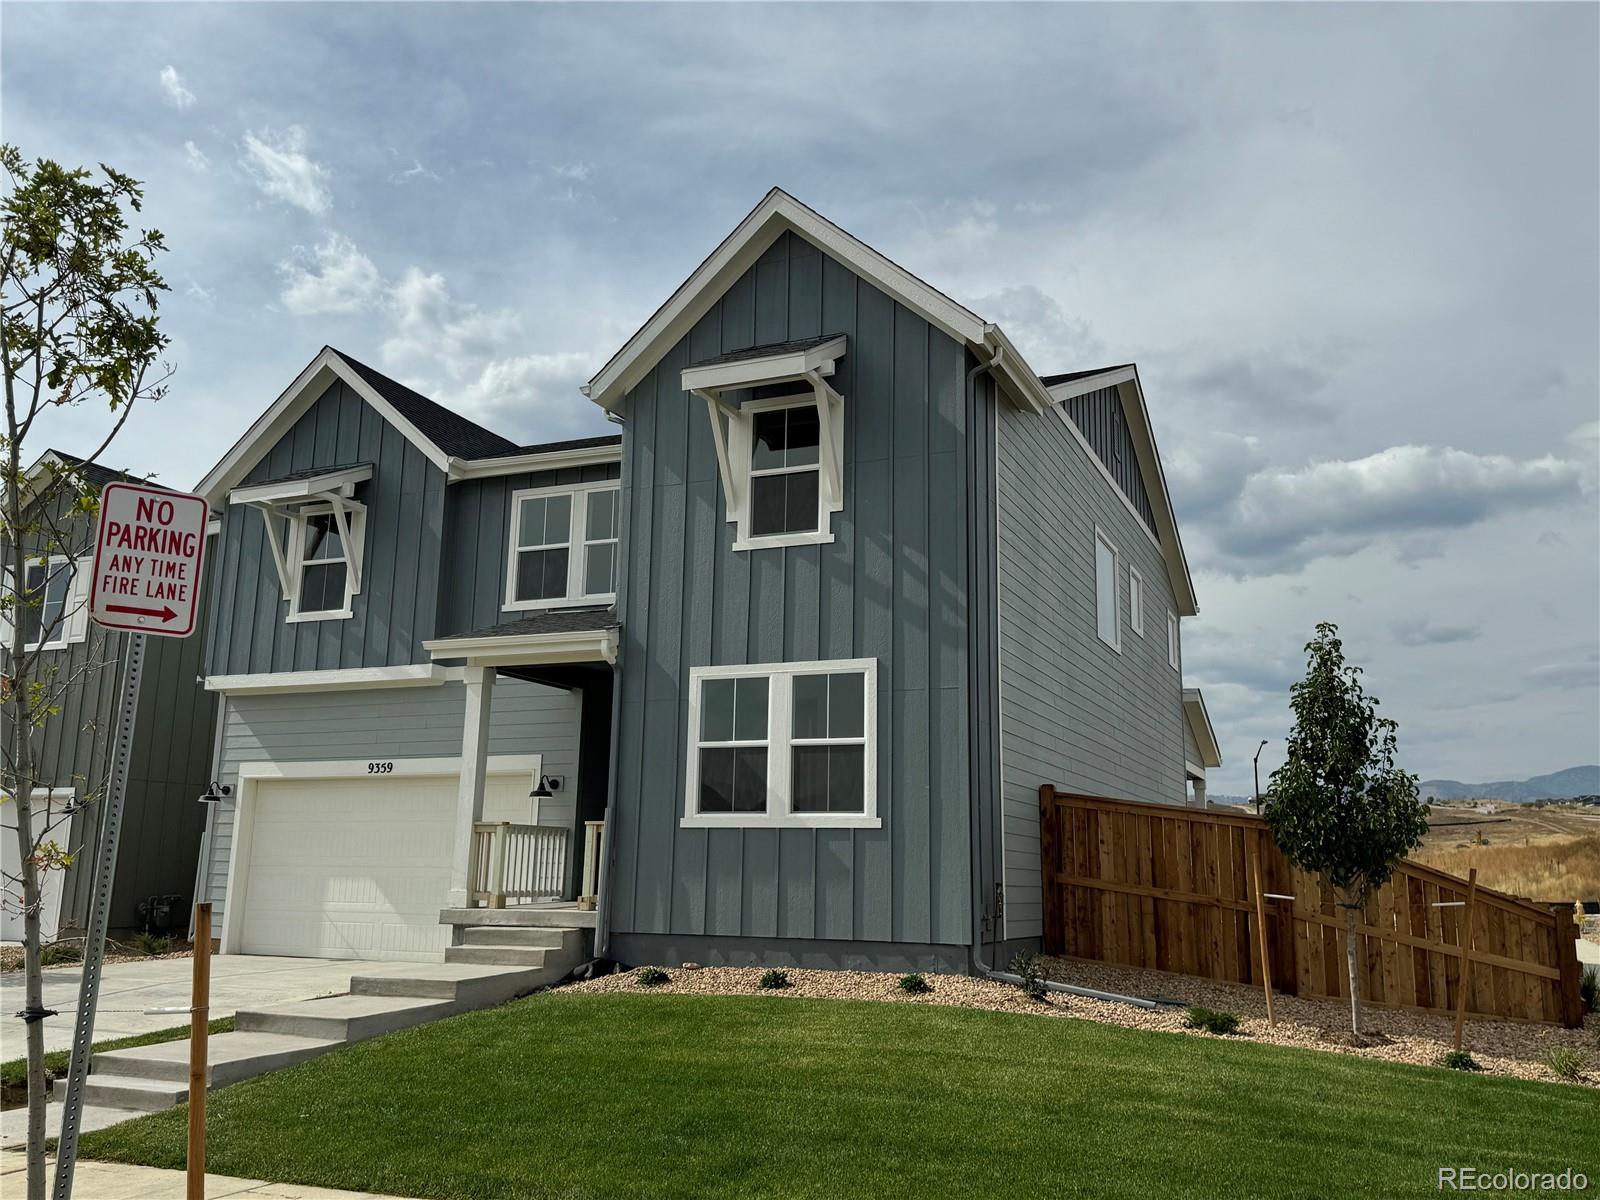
459, 447
94, 474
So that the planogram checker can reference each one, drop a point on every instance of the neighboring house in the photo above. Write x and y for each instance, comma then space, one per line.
158, 847
852, 583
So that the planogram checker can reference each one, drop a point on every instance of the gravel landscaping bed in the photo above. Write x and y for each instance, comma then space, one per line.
1500, 1047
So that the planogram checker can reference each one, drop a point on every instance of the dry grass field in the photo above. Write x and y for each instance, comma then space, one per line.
1544, 854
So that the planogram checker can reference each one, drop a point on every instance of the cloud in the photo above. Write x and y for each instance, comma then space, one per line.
1282, 519
174, 91
577, 172
278, 162
414, 172
1269, 385
1050, 338
196, 158
1580, 671
334, 277
1419, 631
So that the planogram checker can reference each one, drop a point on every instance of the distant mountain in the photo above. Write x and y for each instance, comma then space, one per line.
1563, 785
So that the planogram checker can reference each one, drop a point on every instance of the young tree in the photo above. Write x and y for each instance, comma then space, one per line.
78, 302
1339, 805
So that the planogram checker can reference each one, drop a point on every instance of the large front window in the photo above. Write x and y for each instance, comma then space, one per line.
783, 744
563, 546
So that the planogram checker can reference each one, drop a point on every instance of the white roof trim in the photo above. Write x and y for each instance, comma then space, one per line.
767, 368
337, 480
1205, 737
420, 675
1131, 392
528, 649
288, 408
520, 464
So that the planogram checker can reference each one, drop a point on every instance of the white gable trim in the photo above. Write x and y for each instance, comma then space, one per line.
271, 426
1137, 414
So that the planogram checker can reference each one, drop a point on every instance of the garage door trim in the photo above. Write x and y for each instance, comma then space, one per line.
251, 774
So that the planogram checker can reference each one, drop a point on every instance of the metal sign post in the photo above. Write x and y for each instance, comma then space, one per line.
148, 554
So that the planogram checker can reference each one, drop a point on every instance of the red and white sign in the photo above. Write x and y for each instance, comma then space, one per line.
148, 552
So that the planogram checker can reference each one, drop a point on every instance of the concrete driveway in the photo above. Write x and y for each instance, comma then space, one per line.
127, 989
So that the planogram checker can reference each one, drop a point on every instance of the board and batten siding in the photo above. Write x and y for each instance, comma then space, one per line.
385, 723
1100, 418
893, 585
1074, 712
395, 610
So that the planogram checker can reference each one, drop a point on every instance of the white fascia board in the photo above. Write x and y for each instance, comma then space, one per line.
529, 649
522, 464
1194, 710
1090, 383
777, 213
288, 408
300, 489
349, 679
1016, 379
771, 368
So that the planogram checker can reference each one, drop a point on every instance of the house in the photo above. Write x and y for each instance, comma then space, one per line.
773, 675
159, 843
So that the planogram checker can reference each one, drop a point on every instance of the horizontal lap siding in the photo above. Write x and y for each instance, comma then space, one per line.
891, 586
388, 723
396, 607
1074, 713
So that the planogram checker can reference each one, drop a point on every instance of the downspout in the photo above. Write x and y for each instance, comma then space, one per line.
608, 840
979, 965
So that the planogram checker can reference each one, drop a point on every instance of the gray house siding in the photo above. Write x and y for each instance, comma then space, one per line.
400, 579
162, 824
472, 587
1191, 748
893, 585
1074, 712
416, 722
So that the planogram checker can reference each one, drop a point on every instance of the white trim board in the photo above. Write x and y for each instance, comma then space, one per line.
528, 649
418, 675
1205, 737
251, 774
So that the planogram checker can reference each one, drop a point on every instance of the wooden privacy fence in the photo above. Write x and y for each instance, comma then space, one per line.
1153, 885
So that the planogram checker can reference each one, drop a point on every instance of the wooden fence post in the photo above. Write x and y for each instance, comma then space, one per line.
199, 1029
1055, 941
1261, 929
1467, 940
1569, 1000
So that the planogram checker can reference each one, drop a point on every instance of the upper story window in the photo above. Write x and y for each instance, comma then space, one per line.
777, 426
316, 531
1105, 591
783, 744
51, 607
1136, 601
563, 546
1172, 639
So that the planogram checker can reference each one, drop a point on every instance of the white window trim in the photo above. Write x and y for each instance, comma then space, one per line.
1172, 640
1135, 600
1116, 591
72, 622
741, 449
577, 545
779, 743
351, 517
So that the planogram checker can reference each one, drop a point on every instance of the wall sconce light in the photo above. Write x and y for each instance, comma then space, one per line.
544, 788
216, 793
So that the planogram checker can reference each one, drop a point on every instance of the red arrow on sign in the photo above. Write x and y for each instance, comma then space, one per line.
164, 612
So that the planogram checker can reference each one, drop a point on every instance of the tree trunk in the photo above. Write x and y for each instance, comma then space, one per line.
1351, 915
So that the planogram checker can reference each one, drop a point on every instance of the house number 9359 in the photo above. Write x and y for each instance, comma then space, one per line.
380, 768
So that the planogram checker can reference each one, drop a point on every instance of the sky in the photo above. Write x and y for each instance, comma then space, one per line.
1354, 250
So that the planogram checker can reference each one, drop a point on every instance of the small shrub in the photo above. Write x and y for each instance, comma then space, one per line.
915, 985
1211, 1020
60, 952
152, 944
1589, 989
1460, 1060
1029, 967
1566, 1062
653, 977
773, 980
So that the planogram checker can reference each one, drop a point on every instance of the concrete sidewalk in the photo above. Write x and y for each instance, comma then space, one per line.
115, 1181
128, 988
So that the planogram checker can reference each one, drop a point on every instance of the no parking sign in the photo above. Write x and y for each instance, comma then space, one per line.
148, 553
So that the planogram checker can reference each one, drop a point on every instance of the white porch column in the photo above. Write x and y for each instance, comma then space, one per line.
474, 767
1199, 792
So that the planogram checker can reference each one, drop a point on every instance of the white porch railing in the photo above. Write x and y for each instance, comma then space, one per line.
593, 845
516, 863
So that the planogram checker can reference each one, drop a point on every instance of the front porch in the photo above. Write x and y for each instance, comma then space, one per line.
542, 867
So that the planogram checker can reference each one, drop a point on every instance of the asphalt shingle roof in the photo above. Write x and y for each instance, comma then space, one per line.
767, 351
1052, 380
556, 620
448, 430
609, 439
96, 475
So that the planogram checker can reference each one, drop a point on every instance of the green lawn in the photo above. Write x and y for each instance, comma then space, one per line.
576, 1095
14, 1072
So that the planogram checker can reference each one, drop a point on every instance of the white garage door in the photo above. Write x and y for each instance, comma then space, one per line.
358, 868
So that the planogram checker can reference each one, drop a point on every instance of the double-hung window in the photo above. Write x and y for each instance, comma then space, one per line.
43, 616
784, 470
316, 530
783, 744
563, 546
1105, 592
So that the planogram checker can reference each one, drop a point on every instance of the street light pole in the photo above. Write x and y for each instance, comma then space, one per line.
1257, 763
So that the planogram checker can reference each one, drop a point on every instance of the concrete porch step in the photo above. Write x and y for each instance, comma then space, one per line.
350, 1018
466, 985
127, 1091
230, 1057
526, 915
521, 935
531, 957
